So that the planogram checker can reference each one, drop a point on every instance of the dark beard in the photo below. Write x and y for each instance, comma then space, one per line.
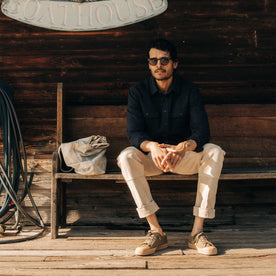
164, 78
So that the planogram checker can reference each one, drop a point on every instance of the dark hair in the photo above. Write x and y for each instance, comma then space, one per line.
163, 45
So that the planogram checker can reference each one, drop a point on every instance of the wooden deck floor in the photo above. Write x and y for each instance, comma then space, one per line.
99, 251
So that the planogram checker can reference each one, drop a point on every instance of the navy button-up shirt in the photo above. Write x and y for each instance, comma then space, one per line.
170, 118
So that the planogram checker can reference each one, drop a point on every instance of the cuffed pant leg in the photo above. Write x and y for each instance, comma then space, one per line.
134, 166
208, 176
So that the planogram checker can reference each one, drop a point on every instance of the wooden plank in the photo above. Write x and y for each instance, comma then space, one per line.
256, 163
156, 272
96, 264
259, 73
265, 174
223, 90
128, 36
213, 110
226, 92
209, 72
169, 263
170, 221
171, 218
235, 126
204, 263
92, 126
246, 147
115, 92
244, 215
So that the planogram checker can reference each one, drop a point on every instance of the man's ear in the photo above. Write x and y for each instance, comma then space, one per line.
175, 64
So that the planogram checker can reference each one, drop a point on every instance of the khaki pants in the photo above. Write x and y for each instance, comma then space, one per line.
135, 166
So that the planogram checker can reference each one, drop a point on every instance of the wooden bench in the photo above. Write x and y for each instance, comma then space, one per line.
245, 132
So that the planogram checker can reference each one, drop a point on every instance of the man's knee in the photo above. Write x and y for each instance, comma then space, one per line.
127, 154
214, 151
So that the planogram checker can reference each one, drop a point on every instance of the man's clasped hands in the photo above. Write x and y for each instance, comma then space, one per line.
166, 157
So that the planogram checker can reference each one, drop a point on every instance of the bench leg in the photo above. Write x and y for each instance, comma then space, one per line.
62, 202
54, 209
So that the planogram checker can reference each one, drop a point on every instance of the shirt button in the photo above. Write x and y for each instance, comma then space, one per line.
165, 111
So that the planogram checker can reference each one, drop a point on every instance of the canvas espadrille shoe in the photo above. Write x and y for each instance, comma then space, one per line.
154, 241
201, 243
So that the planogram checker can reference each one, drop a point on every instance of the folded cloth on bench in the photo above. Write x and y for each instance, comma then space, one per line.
85, 156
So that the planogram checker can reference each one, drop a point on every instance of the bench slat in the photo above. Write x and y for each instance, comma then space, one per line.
226, 175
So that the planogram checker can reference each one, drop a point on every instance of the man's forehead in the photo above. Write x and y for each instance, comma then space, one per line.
156, 52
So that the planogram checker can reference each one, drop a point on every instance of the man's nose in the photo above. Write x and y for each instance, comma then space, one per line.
159, 63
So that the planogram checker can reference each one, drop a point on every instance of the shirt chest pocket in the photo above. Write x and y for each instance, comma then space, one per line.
178, 120
152, 119
151, 115
178, 115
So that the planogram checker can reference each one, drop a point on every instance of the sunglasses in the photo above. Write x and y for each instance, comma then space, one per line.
163, 61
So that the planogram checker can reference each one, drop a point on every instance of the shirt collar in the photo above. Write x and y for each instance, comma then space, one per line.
154, 88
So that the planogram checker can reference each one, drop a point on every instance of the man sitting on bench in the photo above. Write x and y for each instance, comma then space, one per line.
168, 129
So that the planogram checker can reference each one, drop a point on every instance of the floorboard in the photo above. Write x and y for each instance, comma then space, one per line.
100, 251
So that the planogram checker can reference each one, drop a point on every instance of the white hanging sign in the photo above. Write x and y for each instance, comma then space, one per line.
86, 16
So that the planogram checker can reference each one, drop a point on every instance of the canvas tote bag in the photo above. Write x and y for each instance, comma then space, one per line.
85, 156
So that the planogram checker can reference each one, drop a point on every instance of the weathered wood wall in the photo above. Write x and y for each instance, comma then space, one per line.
226, 47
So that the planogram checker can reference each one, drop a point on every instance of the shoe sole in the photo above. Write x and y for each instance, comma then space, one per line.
202, 251
151, 251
